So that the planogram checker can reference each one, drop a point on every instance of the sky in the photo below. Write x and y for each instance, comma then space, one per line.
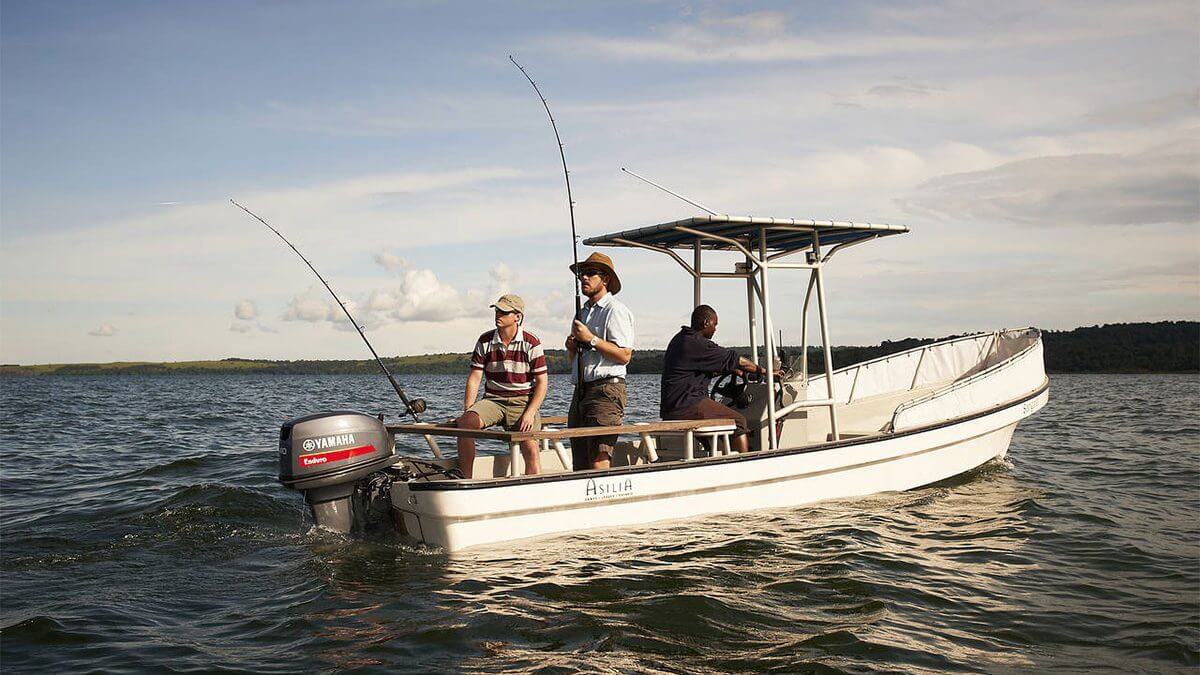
1046, 157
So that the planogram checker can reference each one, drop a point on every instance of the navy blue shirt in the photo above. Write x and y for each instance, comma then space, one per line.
690, 362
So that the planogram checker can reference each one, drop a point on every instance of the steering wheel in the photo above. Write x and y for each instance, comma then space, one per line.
731, 386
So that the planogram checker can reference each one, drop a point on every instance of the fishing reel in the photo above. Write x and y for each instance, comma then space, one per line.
416, 406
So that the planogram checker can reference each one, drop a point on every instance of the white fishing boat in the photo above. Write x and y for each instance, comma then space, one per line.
895, 423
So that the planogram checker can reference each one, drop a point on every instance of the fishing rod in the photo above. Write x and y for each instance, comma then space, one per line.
570, 201
673, 194
411, 406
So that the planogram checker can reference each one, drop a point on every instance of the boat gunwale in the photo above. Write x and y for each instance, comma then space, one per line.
595, 474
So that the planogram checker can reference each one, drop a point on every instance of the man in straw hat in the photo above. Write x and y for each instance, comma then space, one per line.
515, 367
602, 338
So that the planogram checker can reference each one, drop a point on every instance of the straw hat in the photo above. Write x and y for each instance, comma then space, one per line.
604, 262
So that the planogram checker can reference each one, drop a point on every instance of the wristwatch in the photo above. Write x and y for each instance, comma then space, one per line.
593, 341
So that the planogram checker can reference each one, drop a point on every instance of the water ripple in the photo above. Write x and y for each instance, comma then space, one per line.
150, 534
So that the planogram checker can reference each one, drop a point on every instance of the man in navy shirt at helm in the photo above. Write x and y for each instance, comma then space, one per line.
692, 359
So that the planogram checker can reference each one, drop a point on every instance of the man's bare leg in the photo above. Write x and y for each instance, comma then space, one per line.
466, 446
533, 457
603, 456
741, 443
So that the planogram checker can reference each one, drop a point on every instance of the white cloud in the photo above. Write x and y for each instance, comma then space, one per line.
248, 327
761, 37
779, 37
1159, 185
245, 310
904, 88
422, 297
245, 313
956, 119
381, 300
105, 330
390, 261
418, 295
313, 306
503, 280
1179, 105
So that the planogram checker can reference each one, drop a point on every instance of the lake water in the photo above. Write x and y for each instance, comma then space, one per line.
143, 529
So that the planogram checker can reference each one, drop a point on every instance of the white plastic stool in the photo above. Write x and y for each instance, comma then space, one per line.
559, 448
718, 437
649, 447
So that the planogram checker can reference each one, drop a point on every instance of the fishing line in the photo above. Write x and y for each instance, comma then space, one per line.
673, 194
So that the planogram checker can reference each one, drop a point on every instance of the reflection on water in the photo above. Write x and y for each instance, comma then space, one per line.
786, 590
164, 541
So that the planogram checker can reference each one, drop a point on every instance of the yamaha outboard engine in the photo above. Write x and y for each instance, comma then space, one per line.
325, 456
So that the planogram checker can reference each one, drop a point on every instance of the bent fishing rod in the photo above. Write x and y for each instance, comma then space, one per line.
570, 205
411, 406
567, 177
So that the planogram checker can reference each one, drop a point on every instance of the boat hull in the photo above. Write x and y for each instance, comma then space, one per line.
459, 515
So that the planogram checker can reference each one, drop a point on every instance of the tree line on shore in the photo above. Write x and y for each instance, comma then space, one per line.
1161, 347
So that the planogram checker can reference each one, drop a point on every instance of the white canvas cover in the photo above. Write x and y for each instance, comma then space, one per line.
997, 384
947, 380
892, 374
913, 369
953, 360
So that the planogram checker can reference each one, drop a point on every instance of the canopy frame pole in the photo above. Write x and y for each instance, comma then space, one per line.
791, 266
823, 313
812, 280
750, 308
658, 249
768, 339
732, 242
847, 244
784, 254
698, 277
682, 263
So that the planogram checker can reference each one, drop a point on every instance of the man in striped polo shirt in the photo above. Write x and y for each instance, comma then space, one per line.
515, 367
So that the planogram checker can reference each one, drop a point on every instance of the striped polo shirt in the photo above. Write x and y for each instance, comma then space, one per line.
509, 369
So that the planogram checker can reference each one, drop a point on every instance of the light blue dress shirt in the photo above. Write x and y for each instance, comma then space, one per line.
610, 320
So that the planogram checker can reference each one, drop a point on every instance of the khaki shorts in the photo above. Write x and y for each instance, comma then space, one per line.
600, 404
499, 410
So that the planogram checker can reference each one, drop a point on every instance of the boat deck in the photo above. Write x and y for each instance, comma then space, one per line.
672, 436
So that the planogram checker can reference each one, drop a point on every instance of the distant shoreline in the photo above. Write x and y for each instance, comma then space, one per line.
1160, 347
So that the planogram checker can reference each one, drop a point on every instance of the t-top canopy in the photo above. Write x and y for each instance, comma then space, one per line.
783, 234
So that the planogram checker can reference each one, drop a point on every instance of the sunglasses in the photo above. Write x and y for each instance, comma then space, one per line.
589, 273
501, 312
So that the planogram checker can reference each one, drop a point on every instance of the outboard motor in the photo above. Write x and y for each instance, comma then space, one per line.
325, 456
